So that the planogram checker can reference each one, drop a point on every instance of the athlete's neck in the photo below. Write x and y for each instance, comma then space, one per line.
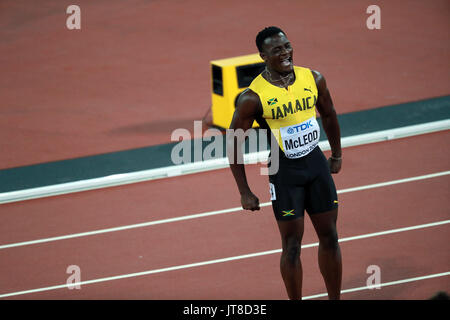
280, 79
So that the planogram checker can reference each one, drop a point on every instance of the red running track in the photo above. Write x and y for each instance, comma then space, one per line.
400, 255
137, 70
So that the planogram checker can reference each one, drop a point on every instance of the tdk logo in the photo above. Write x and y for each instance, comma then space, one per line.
300, 127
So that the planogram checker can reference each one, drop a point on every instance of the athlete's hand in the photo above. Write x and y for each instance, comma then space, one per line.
249, 201
335, 164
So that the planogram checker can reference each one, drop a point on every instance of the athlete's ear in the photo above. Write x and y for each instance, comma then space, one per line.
263, 56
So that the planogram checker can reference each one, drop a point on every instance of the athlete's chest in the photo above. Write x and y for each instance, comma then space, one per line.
299, 99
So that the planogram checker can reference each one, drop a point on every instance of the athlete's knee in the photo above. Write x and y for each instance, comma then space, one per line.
291, 251
329, 240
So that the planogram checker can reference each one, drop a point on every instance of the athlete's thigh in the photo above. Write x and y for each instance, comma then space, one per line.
291, 231
325, 223
320, 193
288, 198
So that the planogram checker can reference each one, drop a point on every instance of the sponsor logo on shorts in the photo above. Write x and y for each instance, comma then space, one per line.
288, 213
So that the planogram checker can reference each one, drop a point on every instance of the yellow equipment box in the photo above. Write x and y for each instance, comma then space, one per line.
230, 77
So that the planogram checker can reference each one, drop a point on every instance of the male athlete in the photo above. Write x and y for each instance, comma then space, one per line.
283, 99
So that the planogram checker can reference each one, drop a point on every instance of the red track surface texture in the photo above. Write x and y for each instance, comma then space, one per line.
138, 69
400, 256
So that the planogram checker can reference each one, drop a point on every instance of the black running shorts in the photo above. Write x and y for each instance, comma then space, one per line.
302, 184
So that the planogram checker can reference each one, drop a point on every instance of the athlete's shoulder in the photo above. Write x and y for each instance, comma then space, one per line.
257, 83
316, 74
248, 96
302, 69
304, 72
319, 79
248, 105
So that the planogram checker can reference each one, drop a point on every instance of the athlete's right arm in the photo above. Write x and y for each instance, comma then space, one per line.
247, 108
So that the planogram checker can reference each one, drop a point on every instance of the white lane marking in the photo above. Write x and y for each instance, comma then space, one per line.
209, 262
389, 183
386, 284
202, 166
206, 214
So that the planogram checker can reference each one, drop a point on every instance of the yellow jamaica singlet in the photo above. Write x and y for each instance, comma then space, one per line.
291, 113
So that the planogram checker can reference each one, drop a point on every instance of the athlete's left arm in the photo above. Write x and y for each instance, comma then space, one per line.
329, 121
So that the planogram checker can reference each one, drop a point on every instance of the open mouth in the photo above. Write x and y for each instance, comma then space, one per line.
286, 62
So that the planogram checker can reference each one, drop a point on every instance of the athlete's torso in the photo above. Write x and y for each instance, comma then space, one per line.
291, 113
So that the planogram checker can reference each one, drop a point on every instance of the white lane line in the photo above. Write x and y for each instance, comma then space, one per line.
386, 284
202, 166
209, 262
206, 214
390, 183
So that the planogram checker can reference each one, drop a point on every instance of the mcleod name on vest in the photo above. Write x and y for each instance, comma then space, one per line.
304, 104
301, 141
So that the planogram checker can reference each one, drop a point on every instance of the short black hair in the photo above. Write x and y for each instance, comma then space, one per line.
266, 33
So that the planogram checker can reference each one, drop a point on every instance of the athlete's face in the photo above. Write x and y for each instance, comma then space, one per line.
277, 53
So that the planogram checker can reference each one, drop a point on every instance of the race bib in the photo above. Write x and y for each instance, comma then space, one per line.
273, 195
300, 139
